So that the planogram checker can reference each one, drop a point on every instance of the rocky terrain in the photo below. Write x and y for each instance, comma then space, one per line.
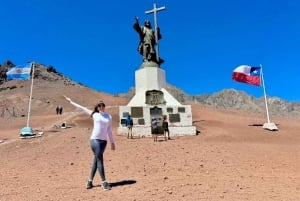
226, 99
231, 159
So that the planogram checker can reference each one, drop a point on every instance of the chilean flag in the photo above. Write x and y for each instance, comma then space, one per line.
247, 74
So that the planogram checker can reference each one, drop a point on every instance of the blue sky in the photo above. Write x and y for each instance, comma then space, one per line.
93, 42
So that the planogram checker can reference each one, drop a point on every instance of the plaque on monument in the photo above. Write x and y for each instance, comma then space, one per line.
181, 109
155, 97
137, 112
155, 111
170, 110
141, 121
123, 122
125, 114
174, 118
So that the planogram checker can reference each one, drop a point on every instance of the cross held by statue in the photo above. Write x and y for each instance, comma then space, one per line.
154, 11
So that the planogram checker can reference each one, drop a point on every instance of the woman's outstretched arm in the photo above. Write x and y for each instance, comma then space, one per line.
86, 110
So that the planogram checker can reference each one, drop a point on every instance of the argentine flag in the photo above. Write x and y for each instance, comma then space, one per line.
21, 72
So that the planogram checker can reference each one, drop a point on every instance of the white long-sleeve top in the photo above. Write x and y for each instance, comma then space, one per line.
102, 124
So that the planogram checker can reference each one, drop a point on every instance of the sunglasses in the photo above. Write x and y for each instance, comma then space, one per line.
101, 105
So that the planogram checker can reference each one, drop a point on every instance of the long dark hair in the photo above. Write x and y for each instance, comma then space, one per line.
96, 110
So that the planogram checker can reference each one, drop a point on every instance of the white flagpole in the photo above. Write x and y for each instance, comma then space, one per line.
265, 95
30, 96
268, 125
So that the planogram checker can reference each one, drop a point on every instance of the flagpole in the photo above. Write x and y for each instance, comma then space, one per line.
265, 96
27, 131
30, 96
268, 125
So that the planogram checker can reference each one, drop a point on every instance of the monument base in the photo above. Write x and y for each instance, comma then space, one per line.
179, 118
145, 131
153, 101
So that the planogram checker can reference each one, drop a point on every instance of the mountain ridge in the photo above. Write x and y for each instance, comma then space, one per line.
226, 98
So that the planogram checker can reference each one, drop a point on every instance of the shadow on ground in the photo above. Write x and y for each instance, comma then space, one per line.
122, 183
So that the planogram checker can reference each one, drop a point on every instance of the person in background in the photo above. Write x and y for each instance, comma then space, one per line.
57, 110
129, 124
166, 128
98, 140
60, 109
155, 128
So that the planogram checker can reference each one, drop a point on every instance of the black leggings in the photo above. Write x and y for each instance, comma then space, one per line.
98, 147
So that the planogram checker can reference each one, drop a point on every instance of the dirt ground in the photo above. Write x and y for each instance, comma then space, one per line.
228, 160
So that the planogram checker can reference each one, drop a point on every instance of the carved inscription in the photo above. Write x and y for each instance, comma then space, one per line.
155, 97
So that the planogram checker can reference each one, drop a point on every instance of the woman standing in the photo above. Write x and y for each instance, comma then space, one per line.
98, 140
166, 128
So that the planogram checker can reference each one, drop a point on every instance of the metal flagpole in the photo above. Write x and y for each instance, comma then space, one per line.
27, 131
30, 96
265, 96
268, 125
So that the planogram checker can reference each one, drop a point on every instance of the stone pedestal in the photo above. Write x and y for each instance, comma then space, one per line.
151, 79
152, 100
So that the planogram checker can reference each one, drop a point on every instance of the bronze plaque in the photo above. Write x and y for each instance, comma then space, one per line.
174, 118
181, 109
170, 110
137, 112
141, 121
155, 111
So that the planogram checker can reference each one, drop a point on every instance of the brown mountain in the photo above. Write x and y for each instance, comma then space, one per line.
227, 98
233, 99
228, 160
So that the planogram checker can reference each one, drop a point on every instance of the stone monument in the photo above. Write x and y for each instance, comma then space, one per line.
152, 100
